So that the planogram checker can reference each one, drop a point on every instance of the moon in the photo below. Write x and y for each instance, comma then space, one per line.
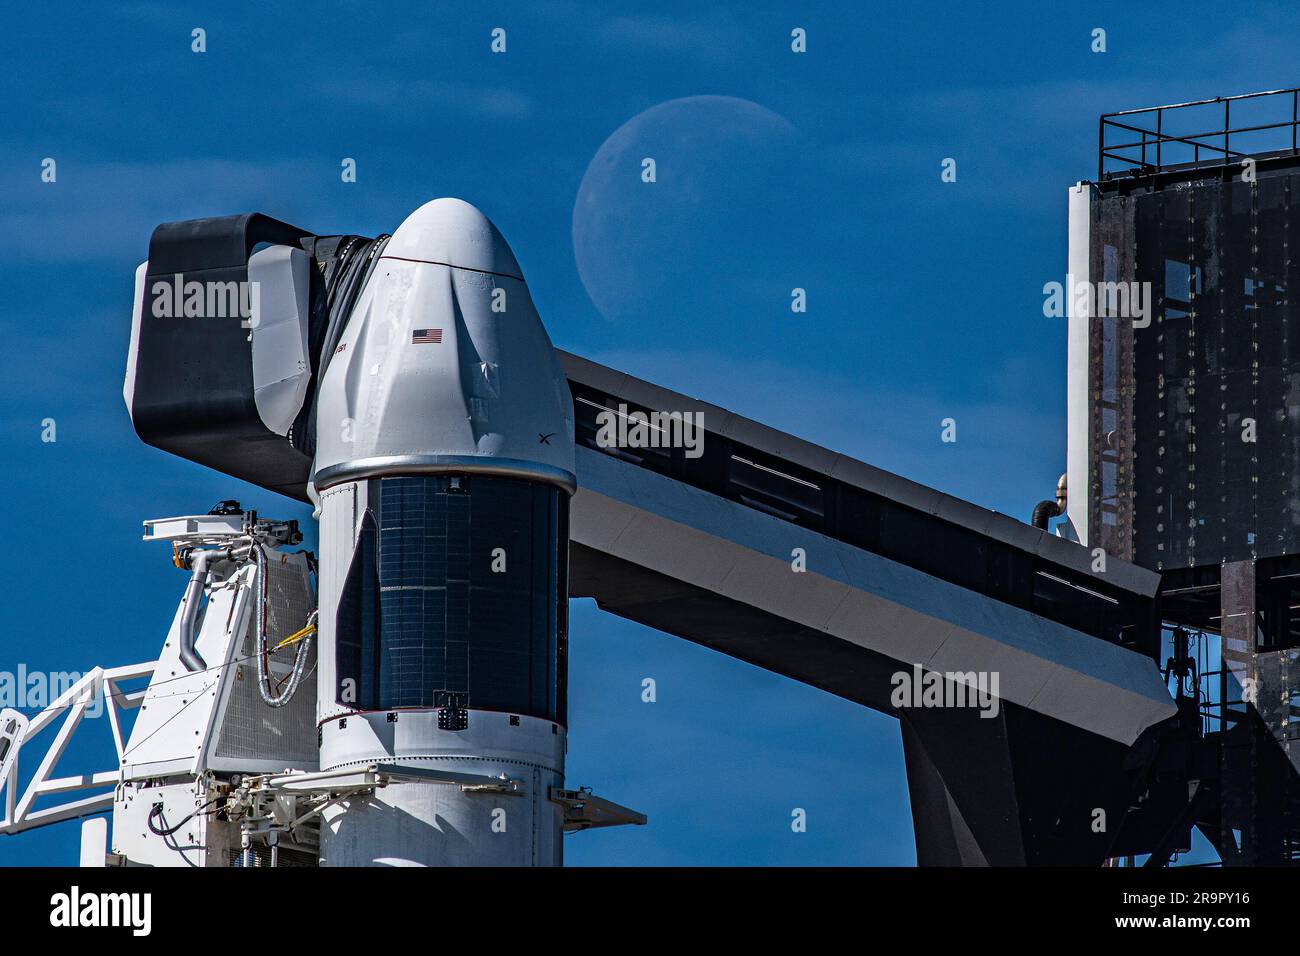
710, 236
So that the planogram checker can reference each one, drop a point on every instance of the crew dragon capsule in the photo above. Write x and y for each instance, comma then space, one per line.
443, 469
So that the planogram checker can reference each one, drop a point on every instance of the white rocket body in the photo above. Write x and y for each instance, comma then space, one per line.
444, 409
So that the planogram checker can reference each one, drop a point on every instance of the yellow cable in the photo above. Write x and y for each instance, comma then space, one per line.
295, 637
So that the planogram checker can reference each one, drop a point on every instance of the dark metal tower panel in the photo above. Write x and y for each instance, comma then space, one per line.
1194, 428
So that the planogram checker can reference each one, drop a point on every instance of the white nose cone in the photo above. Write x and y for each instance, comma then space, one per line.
454, 233
444, 364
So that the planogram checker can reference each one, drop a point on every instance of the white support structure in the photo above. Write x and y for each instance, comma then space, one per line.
203, 727
1079, 271
20, 811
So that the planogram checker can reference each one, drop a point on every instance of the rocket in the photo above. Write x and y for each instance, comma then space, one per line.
443, 469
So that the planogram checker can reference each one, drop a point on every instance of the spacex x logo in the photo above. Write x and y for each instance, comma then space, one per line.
76, 909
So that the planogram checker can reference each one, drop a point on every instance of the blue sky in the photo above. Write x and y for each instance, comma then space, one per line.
774, 171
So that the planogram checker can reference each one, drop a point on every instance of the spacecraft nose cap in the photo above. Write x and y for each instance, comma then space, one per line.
452, 232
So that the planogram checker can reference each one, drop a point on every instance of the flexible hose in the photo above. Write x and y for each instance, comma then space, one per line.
270, 697
157, 811
1044, 512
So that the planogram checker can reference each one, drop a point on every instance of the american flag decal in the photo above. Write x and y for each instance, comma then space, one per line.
426, 337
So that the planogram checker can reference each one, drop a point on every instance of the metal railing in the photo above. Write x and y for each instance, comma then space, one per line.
1157, 150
